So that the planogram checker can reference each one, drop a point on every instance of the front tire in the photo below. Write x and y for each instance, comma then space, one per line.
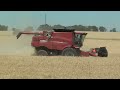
69, 52
42, 53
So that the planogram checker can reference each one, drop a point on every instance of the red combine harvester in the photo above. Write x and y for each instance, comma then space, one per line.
65, 42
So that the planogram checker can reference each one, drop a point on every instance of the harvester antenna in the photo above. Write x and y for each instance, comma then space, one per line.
45, 18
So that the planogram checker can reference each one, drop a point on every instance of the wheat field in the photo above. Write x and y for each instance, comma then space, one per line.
17, 61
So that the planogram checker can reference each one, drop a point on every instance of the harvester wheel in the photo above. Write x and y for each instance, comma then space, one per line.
42, 53
69, 52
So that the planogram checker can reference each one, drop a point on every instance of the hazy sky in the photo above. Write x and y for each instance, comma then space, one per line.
22, 19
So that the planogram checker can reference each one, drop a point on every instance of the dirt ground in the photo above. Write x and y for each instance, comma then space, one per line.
17, 62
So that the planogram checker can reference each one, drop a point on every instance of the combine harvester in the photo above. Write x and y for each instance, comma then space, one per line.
65, 42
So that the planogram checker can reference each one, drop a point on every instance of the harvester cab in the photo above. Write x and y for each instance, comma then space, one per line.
79, 38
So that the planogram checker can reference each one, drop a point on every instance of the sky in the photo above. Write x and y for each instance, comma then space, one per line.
22, 19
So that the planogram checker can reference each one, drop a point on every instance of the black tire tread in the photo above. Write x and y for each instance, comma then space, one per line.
70, 49
44, 51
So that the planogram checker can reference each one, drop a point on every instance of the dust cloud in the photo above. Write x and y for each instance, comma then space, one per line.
10, 45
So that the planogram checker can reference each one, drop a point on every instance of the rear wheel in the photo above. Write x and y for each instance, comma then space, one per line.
69, 52
42, 53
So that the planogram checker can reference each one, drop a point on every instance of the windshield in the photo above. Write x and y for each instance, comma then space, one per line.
83, 38
79, 39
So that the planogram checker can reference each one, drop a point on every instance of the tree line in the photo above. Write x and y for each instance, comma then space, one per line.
3, 28
49, 27
76, 27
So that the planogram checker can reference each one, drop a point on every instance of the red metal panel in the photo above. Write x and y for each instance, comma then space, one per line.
61, 39
35, 43
85, 54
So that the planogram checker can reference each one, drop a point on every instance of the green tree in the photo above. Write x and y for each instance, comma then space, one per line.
92, 28
58, 26
79, 27
102, 29
113, 30
44, 27
3, 28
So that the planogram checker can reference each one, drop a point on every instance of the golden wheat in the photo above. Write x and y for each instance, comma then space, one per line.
16, 60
